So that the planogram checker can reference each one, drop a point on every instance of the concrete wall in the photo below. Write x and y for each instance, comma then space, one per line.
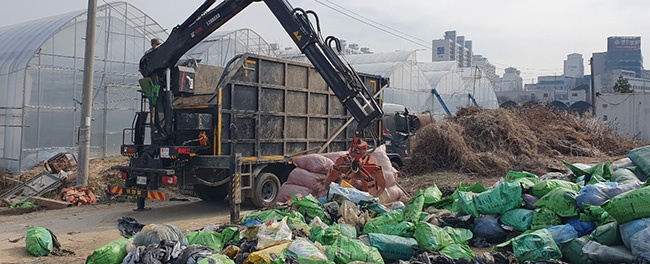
628, 113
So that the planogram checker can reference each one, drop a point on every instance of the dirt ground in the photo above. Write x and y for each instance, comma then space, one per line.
84, 229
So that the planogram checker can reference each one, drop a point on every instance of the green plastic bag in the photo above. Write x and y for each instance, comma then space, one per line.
504, 197
273, 215
624, 176
537, 245
403, 229
459, 235
545, 186
23, 204
543, 217
572, 250
432, 195
393, 247
607, 235
629, 206
520, 219
602, 170
216, 258
641, 159
329, 235
475, 188
526, 179
561, 201
111, 253
466, 204
308, 206
457, 251
214, 240
383, 221
431, 237
596, 215
414, 206
39, 241
448, 203
345, 250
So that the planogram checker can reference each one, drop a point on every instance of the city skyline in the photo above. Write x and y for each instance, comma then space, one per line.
533, 37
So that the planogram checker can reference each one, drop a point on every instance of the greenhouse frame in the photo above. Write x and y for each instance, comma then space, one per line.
41, 76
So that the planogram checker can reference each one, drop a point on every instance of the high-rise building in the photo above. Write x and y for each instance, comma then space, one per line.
511, 81
574, 66
624, 53
486, 67
453, 48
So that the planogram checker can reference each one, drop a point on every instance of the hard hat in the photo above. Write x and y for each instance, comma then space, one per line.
155, 41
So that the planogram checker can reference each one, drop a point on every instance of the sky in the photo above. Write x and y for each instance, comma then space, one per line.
531, 35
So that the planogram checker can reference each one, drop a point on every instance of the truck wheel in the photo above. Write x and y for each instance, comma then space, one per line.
210, 193
216, 193
395, 165
198, 191
267, 186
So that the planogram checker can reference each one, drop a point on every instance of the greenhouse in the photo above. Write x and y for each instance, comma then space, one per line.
41, 76
220, 47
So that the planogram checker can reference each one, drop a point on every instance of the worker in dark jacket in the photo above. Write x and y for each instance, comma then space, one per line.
155, 42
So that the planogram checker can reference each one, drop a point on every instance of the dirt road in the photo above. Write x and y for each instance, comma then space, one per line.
84, 229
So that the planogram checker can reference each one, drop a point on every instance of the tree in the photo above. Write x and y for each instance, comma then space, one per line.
622, 85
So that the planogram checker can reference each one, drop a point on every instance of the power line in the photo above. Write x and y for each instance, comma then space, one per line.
413, 39
374, 26
375, 22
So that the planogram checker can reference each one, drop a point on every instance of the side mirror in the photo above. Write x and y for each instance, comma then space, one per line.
414, 123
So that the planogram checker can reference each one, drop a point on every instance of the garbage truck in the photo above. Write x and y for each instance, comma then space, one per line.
238, 140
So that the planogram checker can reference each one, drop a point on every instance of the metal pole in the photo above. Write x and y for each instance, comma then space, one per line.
87, 104
235, 187
593, 87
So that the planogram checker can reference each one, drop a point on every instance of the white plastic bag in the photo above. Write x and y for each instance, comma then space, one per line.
351, 194
273, 234
306, 249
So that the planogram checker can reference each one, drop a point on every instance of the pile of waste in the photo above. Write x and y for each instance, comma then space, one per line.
590, 214
78, 195
311, 172
489, 142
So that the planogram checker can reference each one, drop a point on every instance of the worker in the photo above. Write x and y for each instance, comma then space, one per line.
155, 42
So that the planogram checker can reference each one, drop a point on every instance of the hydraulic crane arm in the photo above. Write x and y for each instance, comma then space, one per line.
188, 34
341, 78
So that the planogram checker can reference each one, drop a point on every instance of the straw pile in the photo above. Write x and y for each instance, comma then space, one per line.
489, 142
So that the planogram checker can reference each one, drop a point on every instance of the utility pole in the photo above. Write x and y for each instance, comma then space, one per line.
593, 87
87, 100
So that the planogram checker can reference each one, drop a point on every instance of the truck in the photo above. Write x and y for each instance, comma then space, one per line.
239, 140
398, 131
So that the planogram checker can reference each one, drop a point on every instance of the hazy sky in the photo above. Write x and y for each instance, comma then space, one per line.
531, 35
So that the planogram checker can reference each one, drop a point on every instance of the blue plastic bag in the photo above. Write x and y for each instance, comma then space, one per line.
562, 233
583, 228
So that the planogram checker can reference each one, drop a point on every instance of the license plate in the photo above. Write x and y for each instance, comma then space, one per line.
164, 153
141, 180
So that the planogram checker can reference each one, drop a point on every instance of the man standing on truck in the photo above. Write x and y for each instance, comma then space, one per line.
155, 42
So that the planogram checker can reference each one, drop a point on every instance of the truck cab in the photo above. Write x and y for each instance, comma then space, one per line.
398, 127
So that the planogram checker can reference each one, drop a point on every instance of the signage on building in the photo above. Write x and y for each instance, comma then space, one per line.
624, 43
440, 50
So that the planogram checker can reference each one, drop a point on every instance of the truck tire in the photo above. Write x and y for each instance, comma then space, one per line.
210, 193
395, 165
198, 191
266, 188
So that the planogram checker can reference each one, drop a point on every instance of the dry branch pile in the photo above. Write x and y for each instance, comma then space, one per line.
489, 142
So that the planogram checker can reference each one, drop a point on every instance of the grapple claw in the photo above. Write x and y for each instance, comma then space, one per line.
359, 169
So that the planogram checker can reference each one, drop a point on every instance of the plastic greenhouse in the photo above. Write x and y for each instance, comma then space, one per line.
220, 47
41, 75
